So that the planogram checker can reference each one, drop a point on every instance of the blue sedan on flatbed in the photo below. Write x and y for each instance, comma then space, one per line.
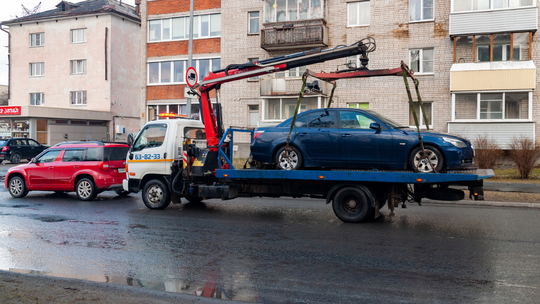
356, 139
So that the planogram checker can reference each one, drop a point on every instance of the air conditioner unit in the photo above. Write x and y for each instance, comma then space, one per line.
120, 129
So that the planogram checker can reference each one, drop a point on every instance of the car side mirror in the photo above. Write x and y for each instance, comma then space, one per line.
375, 126
33, 160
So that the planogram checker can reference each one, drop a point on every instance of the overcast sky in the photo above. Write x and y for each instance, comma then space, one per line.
9, 9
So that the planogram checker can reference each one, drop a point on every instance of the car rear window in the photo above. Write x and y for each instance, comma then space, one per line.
94, 154
73, 155
2, 142
117, 153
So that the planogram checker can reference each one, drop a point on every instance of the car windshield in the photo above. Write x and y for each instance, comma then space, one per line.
387, 121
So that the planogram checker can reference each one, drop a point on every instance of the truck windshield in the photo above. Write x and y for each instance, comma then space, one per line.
151, 136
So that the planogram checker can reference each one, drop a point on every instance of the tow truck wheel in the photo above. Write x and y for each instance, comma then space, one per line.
419, 164
156, 194
352, 205
293, 162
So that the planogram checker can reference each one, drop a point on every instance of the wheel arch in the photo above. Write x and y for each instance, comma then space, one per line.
149, 177
81, 176
332, 193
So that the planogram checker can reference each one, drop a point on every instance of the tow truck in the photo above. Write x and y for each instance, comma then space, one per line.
186, 158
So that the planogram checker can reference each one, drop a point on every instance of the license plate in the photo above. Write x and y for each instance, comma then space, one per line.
121, 170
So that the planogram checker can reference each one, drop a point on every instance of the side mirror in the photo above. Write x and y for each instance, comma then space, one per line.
33, 160
375, 126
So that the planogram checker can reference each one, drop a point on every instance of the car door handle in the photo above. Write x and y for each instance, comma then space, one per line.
51, 167
76, 167
345, 135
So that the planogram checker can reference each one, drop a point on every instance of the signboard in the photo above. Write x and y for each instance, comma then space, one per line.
10, 110
191, 77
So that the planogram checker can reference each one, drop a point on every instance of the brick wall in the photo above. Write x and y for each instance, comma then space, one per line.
173, 48
175, 6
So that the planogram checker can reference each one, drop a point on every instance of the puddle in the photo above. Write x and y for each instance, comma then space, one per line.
209, 288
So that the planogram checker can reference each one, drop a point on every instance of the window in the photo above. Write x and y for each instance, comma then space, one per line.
354, 120
420, 10
421, 61
78, 36
420, 115
73, 155
321, 119
204, 26
94, 154
294, 72
476, 5
170, 72
37, 69
77, 97
358, 13
291, 10
505, 46
283, 108
359, 105
253, 22
78, 66
479, 106
155, 110
253, 118
151, 136
37, 39
37, 99
48, 157
256, 77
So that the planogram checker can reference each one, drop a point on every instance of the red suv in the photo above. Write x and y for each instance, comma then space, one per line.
88, 168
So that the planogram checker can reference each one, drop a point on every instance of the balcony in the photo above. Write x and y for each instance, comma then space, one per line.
494, 21
294, 34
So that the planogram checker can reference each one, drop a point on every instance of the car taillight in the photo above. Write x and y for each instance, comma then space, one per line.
103, 165
5, 148
257, 134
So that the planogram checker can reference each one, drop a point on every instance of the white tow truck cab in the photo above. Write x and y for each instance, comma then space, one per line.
156, 154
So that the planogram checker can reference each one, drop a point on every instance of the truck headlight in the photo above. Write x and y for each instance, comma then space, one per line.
456, 142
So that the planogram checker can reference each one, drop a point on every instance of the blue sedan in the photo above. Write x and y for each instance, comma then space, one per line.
356, 139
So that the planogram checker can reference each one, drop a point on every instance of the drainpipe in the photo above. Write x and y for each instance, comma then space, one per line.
190, 52
9, 62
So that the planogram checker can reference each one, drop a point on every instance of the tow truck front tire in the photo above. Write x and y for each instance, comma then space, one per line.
156, 195
352, 205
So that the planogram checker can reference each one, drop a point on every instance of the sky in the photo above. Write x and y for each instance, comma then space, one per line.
9, 9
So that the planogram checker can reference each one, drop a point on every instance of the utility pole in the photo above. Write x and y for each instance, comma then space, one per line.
190, 52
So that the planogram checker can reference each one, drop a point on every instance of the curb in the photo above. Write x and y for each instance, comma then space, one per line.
485, 203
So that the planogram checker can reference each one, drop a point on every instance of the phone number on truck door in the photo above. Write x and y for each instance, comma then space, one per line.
147, 156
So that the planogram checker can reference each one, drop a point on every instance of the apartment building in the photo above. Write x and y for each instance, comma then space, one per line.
165, 35
75, 73
475, 60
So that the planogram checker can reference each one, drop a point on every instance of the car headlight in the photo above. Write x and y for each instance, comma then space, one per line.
456, 142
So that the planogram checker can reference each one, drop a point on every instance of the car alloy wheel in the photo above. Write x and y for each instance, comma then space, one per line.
293, 162
15, 158
17, 187
422, 164
86, 190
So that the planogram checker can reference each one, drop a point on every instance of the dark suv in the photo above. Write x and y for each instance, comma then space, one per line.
88, 168
15, 149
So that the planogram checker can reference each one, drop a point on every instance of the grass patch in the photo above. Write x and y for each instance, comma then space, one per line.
513, 176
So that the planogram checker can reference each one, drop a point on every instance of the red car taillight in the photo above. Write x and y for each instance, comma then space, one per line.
5, 148
257, 134
103, 166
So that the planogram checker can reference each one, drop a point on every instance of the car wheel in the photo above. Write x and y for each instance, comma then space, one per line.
17, 187
121, 192
293, 162
86, 190
156, 195
422, 165
15, 158
352, 205
1, 161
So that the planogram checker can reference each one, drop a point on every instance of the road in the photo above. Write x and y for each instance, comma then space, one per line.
277, 250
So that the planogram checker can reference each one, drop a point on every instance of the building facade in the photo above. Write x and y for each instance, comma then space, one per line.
475, 60
165, 37
75, 73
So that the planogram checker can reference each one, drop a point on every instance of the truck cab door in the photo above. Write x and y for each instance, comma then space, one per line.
149, 152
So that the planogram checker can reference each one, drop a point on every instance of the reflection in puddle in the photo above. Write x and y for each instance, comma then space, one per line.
209, 289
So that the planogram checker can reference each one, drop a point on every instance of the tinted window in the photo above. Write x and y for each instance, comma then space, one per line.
354, 120
33, 143
301, 122
2, 142
94, 154
321, 119
151, 136
73, 155
117, 153
18, 142
49, 156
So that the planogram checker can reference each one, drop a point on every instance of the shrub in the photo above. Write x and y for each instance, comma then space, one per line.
486, 152
524, 152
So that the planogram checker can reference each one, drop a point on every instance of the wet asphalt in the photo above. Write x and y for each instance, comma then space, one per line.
278, 250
